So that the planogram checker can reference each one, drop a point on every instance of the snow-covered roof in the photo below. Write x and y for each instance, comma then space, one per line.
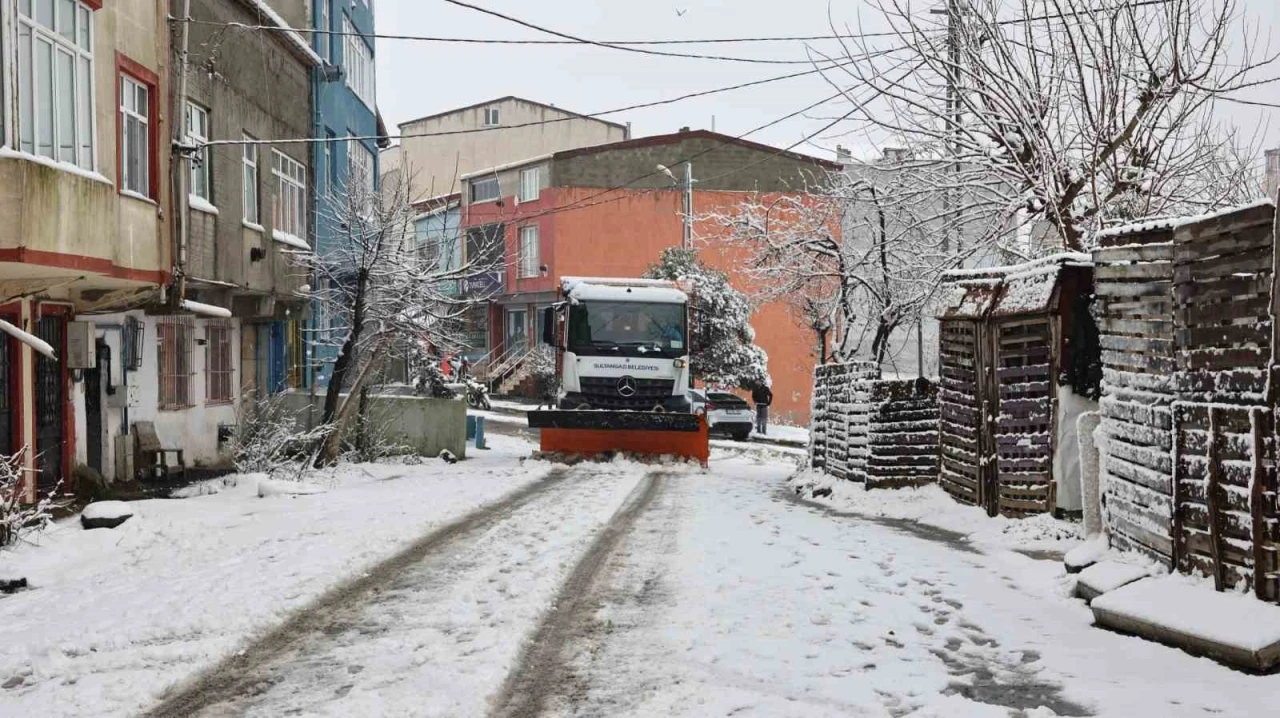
503, 167
615, 289
1006, 291
290, 35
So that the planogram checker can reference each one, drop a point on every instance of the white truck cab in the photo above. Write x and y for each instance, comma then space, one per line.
624, 344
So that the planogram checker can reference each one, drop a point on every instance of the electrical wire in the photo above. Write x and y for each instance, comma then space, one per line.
501, 41
572, 116
624, 48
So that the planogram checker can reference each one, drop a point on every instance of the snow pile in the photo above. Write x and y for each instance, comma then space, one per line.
272, 487
932, 506
1191, 607
107, 510
1107, 576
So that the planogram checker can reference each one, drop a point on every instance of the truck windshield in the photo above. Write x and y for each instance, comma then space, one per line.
627, 329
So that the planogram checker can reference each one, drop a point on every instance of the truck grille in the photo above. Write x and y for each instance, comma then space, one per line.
602, 393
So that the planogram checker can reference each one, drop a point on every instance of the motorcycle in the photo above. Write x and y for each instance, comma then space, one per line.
477, 395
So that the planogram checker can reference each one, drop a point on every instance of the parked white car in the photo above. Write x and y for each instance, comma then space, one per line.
726, 413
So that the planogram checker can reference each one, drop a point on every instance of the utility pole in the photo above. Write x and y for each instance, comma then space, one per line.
949, 204
688, 206
182, 155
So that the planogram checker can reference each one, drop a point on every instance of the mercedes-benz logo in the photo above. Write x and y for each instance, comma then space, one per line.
627, 387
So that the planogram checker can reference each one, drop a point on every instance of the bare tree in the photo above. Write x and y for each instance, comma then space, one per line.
858, 257
383, 290
1065, 113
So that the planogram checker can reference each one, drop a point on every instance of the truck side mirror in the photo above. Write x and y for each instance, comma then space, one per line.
549, 327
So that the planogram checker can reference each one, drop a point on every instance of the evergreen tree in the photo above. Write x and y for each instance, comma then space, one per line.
725, 354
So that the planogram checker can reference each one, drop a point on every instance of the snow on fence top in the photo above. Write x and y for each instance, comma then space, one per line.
1170, 223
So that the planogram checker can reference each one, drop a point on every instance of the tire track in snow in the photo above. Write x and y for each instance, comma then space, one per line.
543, 671
233, 686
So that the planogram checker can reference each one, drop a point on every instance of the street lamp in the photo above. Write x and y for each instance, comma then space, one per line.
687, 239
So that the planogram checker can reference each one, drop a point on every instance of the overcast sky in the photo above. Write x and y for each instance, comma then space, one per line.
422, 78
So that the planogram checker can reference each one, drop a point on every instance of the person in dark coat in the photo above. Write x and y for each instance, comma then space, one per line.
762, 395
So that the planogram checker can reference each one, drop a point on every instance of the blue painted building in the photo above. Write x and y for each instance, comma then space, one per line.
345, 105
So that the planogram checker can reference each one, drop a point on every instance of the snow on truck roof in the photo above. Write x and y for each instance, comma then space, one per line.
614, 289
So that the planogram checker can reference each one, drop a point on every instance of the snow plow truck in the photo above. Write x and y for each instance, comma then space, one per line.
623, 347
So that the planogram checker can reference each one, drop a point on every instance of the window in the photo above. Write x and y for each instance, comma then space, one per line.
330, 165
135, 136
218, 367
529, 251
174, 354
529, 184
55, 80
295, 352
491, 117
322, 24
358, 59
198, 133
250, 163
360, 166
291, 196
484, 190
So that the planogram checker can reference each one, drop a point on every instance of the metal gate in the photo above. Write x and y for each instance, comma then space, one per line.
51, 403
7, 382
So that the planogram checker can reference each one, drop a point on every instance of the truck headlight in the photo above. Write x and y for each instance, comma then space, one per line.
680, 363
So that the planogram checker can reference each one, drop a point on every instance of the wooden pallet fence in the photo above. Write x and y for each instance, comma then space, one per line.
1224, 482
1133, 290
841, 419
903, 434
1001, 349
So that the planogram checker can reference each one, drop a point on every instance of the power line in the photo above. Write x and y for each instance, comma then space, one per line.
624, 48
571, 116
502, 41
857, 105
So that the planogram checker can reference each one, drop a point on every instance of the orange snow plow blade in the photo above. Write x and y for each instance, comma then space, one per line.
593, 433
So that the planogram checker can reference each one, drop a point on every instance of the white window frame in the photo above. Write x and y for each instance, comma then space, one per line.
485, 181
360, 163
201, 172
492, 117
250, 195
529, 251
357, 60
34, 32
128, 183
530, 184
290, 203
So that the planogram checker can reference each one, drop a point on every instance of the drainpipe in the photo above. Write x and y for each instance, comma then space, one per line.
182, 163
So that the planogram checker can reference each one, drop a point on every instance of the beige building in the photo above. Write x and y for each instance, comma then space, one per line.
83, 187
488, 134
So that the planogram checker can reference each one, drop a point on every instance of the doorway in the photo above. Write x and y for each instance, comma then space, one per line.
51, 404
517, 336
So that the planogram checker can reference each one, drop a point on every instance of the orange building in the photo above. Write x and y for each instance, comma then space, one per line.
609, 211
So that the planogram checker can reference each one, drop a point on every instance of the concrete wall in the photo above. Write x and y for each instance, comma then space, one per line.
435, 163
718, 164
426, 425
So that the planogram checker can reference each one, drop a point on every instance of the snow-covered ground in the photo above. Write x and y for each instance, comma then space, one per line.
613, 589
789, 434
931, 506
732, 597
115, 616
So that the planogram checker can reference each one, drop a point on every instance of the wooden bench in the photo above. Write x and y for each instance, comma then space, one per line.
151, 457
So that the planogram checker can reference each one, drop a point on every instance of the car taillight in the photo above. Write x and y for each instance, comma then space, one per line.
711, 406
